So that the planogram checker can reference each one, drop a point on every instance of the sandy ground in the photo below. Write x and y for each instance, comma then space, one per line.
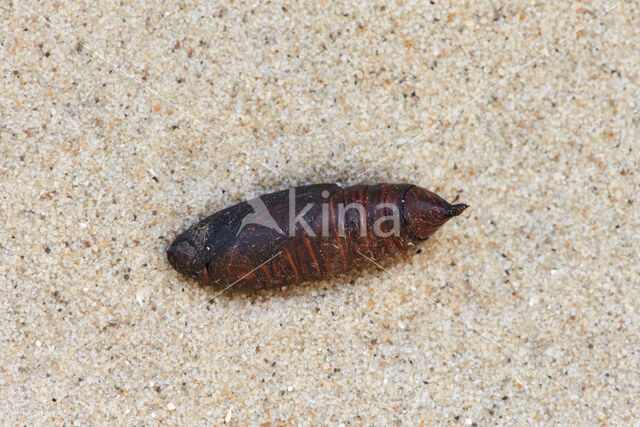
124, 122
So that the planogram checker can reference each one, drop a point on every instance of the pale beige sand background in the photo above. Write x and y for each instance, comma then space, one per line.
123, 122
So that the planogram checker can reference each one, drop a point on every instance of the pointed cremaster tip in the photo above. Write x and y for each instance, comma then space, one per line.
455, 210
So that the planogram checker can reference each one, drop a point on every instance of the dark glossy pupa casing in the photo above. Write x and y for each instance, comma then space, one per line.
307, 233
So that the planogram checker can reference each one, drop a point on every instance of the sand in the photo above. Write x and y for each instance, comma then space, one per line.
122, 123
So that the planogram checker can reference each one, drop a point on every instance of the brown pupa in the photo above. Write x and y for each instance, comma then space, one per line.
307, 233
